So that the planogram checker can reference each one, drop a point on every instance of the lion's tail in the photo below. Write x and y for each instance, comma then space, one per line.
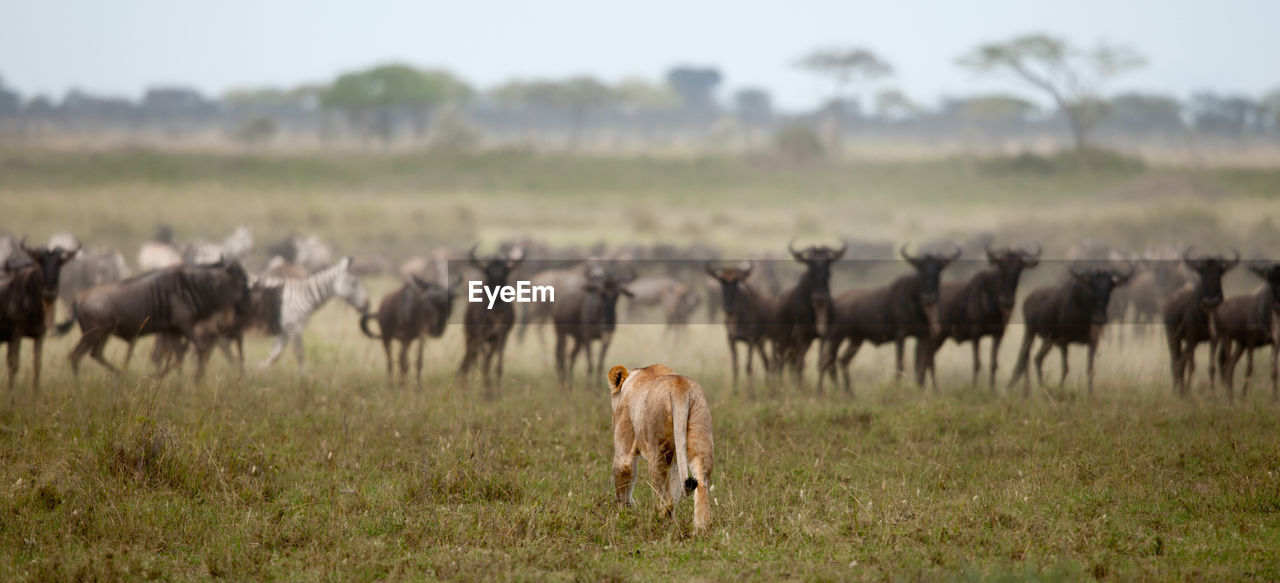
680, 425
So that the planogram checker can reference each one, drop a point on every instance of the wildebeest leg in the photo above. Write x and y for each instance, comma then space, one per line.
586, 346
560, 356
386, 349
1020, 366
750, 358
802, 351
1045, 347
1093, 348
1213, 347
128, 354
899, 344
977, 359
224, 346
1228, 354
1176, 364
846, 360
501, 348
1062, 348
573, 359
15, 348
404, 361
276, 350
924, 361
98, 356
604, 347
995, 351
37, 347
826, 361
486, 364
733, 359
1248, 370
422, 345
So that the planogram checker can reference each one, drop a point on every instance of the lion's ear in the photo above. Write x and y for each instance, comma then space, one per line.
617, 374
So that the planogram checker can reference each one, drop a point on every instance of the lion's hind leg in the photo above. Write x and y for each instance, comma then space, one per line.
701, 494
659, 478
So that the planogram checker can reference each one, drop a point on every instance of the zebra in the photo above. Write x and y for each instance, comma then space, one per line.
302, 296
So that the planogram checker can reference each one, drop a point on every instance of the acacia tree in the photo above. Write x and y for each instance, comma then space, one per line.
1072, 76
369, 98
845, 67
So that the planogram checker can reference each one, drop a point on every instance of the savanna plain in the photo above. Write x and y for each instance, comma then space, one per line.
329, 473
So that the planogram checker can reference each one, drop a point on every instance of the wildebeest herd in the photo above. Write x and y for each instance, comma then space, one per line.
201, 297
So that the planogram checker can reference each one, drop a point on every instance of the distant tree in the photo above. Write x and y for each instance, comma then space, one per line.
1138, 113
1230, 115
641, 95
371, 97
1271, 102
1071, 76
753, 106
577, 96
845, 67
10, 101
696, 86
893, 104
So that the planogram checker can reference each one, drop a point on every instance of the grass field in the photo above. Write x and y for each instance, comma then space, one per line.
330, 474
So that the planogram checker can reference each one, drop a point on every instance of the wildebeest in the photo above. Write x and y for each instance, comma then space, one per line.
804, 309
1247, 322
1074, 312
676, 298
1188, 317
587, 314
564, 279
486, 328
749, 317
301, 297
169, 301
906, 308
411, 313
28, 298
224, 329
981, 306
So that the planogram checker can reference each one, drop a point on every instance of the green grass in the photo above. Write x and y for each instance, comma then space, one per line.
329, 474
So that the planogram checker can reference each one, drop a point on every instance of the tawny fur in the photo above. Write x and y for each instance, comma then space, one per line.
664, 418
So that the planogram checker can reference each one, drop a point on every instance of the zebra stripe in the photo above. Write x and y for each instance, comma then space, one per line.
299, 298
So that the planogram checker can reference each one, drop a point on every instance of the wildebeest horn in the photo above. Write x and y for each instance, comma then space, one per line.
956, 255
1039, 250
471, 255
710, 270
1235, 261
905, 255
1186, 255
844, 246
791, 248
747, 266
1261, 268
22, 244
990, 256
418, 281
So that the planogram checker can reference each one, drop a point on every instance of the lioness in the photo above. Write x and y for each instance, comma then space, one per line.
664, 417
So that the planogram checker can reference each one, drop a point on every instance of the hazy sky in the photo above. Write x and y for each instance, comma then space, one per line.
121, 46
